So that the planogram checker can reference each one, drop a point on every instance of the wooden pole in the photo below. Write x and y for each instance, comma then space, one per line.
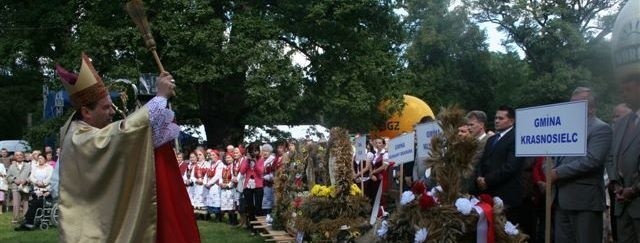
157, 59
401, 184
547, 226
362, 175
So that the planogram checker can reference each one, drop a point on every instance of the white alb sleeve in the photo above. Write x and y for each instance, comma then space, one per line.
163, 129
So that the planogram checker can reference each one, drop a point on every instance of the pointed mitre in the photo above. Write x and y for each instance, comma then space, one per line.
626, 41
84, 88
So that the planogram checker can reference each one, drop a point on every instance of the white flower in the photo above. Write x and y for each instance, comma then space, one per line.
497, 202
434, 191
421, 235
464, 205
407, 197
510, 229
382, 231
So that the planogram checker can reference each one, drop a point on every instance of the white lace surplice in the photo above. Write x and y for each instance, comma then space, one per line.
163, 129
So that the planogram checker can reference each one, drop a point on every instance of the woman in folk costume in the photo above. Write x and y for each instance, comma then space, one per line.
212, 198
280, 152
269, 171
210, 159
188, 174
125, 171
228, 189
238, 178
198, 176
378, 168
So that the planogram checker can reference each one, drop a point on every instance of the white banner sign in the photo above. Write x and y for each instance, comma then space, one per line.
424, 133
361, 148
401, 148
552, 130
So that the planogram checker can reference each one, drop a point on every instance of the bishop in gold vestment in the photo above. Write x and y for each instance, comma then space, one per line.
108, 189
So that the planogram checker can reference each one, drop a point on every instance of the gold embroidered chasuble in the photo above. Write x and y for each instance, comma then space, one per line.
107, 181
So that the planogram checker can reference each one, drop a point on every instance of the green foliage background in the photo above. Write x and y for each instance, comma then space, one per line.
237, 62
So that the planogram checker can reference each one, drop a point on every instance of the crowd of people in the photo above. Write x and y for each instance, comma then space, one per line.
235, 184
239, 180
231, 181
25, 182
584, 194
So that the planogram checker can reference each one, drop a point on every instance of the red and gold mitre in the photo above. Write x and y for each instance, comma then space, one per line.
84, 88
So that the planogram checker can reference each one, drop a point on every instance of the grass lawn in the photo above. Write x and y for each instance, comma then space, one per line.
209, 232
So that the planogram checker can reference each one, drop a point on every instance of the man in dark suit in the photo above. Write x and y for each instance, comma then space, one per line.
623, 171
624, 167
579, 183
499, 172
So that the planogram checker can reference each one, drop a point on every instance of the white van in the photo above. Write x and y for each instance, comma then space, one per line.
15, 145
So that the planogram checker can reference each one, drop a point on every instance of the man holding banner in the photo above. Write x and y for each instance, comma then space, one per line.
580, 196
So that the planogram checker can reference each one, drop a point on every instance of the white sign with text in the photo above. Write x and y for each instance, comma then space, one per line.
552, 130
401, 148
361, 148
424, 133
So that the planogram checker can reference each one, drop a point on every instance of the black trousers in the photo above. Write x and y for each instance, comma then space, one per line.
34, 204
371, 189
253, 203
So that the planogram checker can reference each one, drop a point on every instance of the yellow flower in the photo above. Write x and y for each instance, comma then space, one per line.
325, 192
355, 190
315, 191
333, 191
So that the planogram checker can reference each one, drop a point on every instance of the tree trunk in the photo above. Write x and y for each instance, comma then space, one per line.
223, 112
222, 100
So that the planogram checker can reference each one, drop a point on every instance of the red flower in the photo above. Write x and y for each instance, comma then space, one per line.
418, 187
426, 202
297, 202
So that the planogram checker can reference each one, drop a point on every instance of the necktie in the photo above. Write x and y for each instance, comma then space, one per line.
495, 141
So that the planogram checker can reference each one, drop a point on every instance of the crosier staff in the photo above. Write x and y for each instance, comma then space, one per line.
135, 9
